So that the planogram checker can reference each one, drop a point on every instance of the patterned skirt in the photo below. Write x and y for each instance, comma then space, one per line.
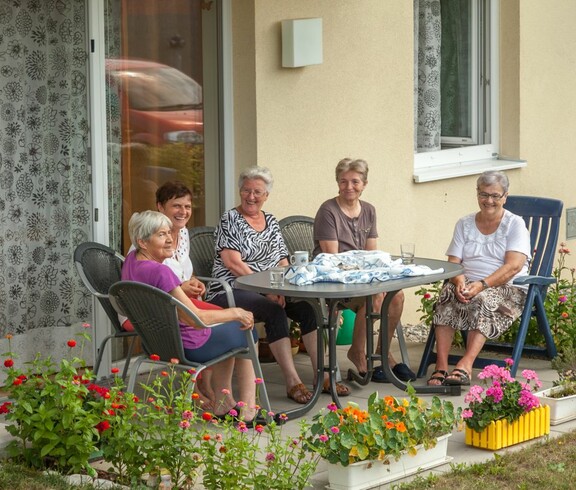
492, 311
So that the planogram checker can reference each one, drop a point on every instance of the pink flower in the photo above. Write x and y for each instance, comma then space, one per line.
86, 325
242, 427
530, 374
184, 424
259, 428
233, 412
562, 299
323, 437
225, 391
187, 414
283, 417
474, 395
332, 407
495, 392
509, 362
528, 400
334, 430
270, 457
467, 413
258, 381
241, 404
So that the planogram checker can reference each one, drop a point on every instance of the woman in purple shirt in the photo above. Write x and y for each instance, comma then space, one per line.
150, 233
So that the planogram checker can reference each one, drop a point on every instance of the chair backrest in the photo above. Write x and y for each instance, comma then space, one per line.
202, 250
542, 217
154, 315
99, 267
298, 233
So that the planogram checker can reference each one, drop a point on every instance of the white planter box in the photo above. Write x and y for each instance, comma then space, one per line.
561, 409
369, 474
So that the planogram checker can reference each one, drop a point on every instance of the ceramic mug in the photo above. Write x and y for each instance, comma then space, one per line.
299, 258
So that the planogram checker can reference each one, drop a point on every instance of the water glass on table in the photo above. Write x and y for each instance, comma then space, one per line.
407, 253
277, 277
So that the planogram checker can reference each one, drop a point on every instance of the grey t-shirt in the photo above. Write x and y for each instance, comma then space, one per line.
351, 233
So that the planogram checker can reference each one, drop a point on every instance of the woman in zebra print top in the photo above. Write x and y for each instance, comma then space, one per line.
249, 240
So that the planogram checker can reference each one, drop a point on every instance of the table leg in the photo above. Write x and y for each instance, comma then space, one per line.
364, 378
385, 342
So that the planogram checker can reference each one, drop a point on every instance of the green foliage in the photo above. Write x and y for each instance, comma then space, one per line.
389, 428
430, 294
51, 413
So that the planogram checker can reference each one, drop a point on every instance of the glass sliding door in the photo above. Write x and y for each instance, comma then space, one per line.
155, 98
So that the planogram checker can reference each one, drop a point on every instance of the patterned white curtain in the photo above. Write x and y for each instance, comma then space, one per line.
45, 174
427, 41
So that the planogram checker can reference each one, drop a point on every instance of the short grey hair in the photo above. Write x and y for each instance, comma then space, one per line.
256, 172
348, 164
143, 225
491, 177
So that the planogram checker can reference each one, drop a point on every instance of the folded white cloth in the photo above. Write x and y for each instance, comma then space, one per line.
354, 267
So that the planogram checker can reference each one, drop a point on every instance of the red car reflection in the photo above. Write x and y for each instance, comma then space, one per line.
164, 105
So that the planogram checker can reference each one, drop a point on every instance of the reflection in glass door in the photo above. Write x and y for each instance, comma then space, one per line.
155, 105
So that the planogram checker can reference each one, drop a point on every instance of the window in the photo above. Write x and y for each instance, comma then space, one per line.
456, 89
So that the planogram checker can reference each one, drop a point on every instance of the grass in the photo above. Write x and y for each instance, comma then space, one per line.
18, 477
548, 465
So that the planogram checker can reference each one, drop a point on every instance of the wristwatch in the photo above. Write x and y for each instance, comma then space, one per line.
484, 284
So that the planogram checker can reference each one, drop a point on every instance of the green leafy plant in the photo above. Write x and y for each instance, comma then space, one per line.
565, 366
51, 412
429, 295
505, 398
387, 429
166, 432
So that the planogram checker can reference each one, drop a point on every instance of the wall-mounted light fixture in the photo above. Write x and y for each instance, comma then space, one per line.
301, 42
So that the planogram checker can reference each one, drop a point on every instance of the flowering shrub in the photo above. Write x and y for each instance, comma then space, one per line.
430, 294
387, 429
505, 398
565, 366
51, 413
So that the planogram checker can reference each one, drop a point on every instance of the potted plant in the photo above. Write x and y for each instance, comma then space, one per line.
295, 336
507, 411
562, 396
389, 440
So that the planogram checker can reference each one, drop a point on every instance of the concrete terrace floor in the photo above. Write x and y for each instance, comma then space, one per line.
458, 451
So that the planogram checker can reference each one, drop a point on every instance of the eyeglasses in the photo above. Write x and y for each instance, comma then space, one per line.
495, 197
257, 193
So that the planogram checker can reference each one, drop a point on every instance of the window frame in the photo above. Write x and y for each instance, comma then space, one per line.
474, 159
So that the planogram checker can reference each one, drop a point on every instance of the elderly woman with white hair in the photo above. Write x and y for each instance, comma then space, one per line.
249, 240
150, 232
493, 245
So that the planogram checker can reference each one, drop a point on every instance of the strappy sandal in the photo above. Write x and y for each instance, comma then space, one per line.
458, 377
341, 389
299, 393
440, 378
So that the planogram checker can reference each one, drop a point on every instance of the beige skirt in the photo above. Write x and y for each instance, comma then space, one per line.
492, 311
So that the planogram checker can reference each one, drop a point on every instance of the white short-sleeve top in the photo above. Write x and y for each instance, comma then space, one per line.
482, 254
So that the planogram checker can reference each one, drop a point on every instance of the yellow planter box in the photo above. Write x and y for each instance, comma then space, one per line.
501, 433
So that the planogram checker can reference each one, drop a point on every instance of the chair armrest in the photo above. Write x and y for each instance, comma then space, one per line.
181, 306
225, 286
536, 280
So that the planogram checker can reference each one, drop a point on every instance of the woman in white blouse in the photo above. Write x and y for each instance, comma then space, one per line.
493, 245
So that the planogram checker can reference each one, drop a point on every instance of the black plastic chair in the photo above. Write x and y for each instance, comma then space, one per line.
202, 250
154, 315
298, 234
542, 218
99, 267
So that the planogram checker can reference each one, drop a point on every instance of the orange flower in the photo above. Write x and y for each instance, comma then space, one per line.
400, 427
564, 314
389, 400
389, 425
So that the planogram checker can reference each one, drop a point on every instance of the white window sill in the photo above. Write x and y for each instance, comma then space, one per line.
461, 169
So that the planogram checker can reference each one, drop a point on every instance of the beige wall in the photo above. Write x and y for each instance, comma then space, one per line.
300, 121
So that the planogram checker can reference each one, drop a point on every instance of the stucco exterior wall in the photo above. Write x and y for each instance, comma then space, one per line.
359, 103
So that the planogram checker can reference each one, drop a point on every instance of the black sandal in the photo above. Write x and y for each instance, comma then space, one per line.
460, 378
440, 378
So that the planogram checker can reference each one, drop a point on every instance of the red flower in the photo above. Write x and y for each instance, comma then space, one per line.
154, 357
164, 373
5, 407
206, 437
114, 370
427, 295
71, 343
8, 363
17, 382
207, 416
102, 426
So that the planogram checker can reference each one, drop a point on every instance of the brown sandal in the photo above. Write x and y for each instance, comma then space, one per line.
299, 393
341, 389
